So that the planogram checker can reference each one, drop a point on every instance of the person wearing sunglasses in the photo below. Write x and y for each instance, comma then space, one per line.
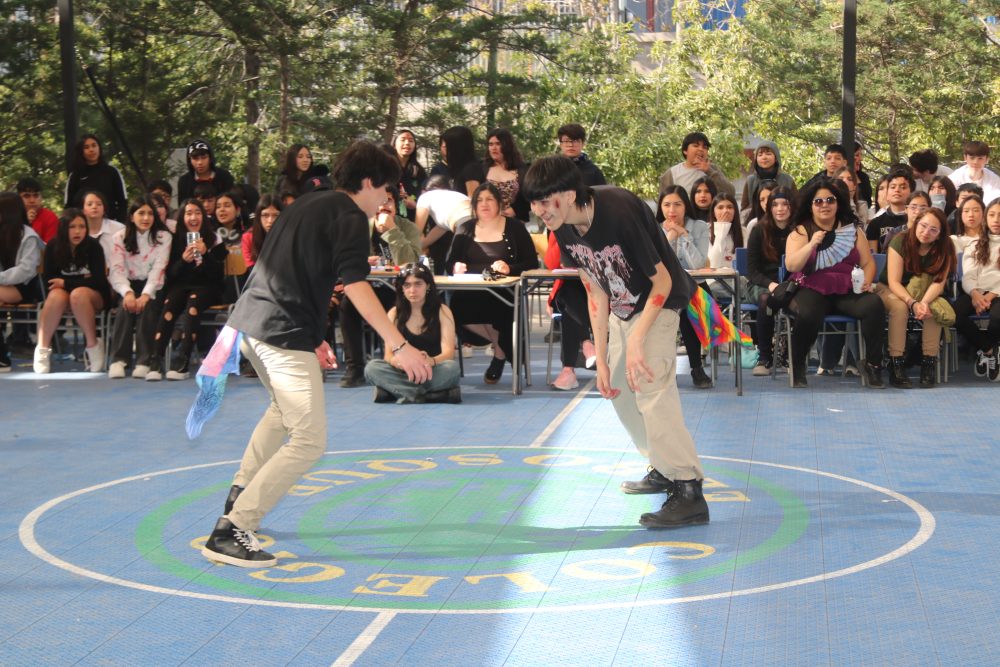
428, 326
825, 245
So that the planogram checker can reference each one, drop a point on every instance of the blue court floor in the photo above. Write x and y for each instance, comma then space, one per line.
849, 527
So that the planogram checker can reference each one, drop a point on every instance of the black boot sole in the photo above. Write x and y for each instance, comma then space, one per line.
653, 523
216, 557
640, 488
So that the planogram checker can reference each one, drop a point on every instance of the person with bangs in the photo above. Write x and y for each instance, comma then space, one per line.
414, 175
917, 204
505, 169
725, 235
858, 205
297, 168
268, 209
765, 247
138, 267
689, 240
194, 283
458, 149
943, 196
970, 215
20, 253
428, 326
912, 284
91, 172
823, 248
980, 288
766, 167
75, 273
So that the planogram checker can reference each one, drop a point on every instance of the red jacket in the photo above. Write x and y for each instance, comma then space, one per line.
45, 224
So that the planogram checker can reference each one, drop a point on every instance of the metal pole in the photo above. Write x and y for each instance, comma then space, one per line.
847, 122
67, 49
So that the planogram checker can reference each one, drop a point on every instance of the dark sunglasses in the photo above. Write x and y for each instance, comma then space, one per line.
819, 201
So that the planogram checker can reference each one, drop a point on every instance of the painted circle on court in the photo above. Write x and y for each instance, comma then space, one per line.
474, 530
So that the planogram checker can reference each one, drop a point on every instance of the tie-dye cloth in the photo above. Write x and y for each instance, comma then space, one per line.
221, 360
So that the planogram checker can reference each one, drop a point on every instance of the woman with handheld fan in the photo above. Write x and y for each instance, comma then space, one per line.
824, 248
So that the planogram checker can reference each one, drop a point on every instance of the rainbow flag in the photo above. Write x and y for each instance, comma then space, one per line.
711, 326
221, 361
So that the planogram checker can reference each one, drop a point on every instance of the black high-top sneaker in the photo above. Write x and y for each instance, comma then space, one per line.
686, 506
653, 482
234, 493
233, 546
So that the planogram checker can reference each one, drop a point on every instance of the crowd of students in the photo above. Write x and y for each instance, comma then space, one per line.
161, 267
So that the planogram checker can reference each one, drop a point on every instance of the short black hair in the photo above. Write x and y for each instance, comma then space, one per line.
693, 138
160, 184
573, 131
835, 148
28, 184
970, 187
365, 159
925, 160
552, 174
901, 171
205, 189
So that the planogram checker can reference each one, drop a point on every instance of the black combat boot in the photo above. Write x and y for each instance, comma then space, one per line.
897, 373
928, 372
686, 506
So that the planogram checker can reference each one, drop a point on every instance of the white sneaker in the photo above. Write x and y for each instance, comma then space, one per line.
175, 375
589, 355
43, 363
140, 371
117, 370
151, 376
95, 357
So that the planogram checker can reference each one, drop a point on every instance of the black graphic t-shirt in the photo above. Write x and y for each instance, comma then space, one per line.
620, 252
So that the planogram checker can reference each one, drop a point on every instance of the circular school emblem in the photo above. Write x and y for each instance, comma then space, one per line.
481, 530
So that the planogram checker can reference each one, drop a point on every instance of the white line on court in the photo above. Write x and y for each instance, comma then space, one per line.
561, 417
364, 640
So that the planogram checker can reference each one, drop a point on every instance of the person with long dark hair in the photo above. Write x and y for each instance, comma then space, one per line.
20, 254
458, 147
77, 282
90, 171
505, 169
268, 209
298, 166
414, 175
428, 326
498, 243
918, 264
824, 247
765, 247
194, 283
99, 226
702, 193
980, 289
138, 267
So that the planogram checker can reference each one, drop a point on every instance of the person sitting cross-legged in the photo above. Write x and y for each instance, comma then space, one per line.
427, 325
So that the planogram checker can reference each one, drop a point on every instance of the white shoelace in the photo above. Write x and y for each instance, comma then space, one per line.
247, 539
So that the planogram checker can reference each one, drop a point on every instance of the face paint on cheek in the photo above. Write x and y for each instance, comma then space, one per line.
659, 300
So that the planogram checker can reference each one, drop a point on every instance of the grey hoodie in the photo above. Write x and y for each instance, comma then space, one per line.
754, 179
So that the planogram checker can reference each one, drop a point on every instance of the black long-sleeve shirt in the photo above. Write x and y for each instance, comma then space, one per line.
763, 271
520, 256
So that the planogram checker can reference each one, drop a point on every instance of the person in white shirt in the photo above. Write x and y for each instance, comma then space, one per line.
980, 288
977, 155
440, 211
925, 167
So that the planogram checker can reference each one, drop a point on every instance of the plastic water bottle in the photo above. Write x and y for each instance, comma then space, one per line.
428, 262
857, 279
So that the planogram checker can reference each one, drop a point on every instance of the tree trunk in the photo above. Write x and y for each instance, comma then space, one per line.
392, 114
251, 64
285, 76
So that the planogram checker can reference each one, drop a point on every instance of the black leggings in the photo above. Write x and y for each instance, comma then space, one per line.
811, 308
571, 301
983, 340
181, 317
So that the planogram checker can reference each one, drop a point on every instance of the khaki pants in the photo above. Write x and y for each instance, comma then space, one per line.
297, 412
899, 315
652, 417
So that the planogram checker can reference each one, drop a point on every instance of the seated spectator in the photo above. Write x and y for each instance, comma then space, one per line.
834, 159
880, 196
207, 195
980, 286
414, 175
75, 272
500, 244
689, 239
943, 196
440, 211
229, 222
926, 167
766, 164
42, 220
572, 140
98, 226
569, 298
758, 201
824, 247
505, 168
696, 164
298, 167
912, 283
201, 168
765, 247
427, 325
702, 193
917, 204
899, 187
394, 241
458, 148
163, 211
725, 235
90, 173
194, 283
858, 207
970, 214
977, 156
138, 266
20, 255
268, 209
162, 188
